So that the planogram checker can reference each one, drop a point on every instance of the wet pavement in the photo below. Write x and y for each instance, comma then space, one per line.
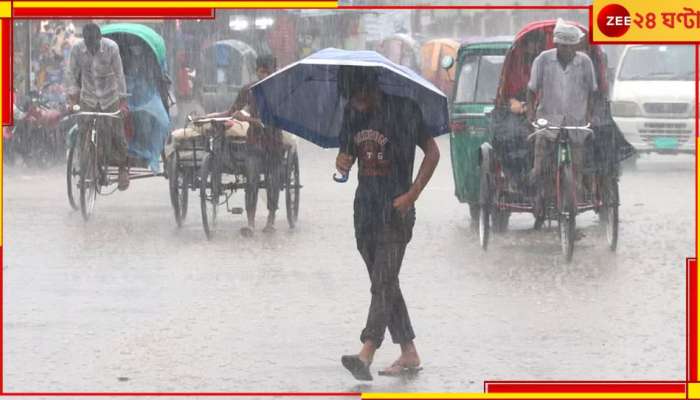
129, 302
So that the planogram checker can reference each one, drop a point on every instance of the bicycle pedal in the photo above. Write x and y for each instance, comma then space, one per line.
237, 210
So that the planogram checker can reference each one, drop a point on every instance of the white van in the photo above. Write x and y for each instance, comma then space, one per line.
653, 99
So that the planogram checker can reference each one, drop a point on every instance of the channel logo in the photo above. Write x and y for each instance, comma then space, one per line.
614, 20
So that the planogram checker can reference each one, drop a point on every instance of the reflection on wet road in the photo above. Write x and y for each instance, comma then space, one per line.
128, 302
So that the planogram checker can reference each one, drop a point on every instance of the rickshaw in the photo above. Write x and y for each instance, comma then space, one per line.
225, 67
211, 159
431, 53
401, 49
89, 172
478, 68
505, 159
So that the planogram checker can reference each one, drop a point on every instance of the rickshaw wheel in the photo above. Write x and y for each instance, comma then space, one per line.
209, 193
609, 213
292, 188
500, 221
474, 211
178, 181
73, 174
89, 179
567, 211
485, 195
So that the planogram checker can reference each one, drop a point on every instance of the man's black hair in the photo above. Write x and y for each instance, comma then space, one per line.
351, 78
91, 30
267, 61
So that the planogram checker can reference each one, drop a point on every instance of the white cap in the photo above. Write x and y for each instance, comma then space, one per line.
565, 33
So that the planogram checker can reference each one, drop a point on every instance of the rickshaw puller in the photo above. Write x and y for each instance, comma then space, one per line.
95, 80
265, 150
562, 84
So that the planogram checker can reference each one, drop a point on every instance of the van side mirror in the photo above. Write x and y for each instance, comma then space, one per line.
447, 62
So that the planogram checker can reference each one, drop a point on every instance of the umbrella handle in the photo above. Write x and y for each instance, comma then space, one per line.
342, 179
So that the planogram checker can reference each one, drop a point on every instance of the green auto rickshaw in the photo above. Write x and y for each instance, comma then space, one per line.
479, 66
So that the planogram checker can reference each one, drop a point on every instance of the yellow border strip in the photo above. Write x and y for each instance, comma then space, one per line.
369, 396
175, 4
5, 9
693, 390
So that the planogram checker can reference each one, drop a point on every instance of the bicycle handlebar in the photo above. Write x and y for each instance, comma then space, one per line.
540, 128
98, 114
204, 120
115, 114
547, 126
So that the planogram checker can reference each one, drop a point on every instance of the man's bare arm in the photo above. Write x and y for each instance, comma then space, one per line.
432, 155
531, 106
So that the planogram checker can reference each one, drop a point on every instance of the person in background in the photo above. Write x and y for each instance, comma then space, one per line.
533, 44
265, 150
561, 88
95, 80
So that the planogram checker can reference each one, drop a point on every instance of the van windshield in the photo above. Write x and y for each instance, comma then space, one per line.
662, 63
478, 79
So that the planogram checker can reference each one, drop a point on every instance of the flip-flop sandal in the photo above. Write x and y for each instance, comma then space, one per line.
269, 229
399, 370
246, 231
357, 367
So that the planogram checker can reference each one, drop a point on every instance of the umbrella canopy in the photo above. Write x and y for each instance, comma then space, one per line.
304, 98
148, 35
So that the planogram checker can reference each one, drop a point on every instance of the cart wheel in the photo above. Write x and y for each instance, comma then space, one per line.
209, 193
73, 174
567, 212
474, 211
89, 179
609, 213
484, 210
179, 187
500, 221
292, 188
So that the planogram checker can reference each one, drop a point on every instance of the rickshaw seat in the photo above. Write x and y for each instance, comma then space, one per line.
238, 131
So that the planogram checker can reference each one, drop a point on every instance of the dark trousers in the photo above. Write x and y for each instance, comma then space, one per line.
383, 253
271, 164
111, 131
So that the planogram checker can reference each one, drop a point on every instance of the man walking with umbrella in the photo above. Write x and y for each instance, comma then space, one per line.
381, 132
377, 112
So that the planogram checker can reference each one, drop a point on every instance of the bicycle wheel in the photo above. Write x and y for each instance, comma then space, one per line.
567, 211
292, 188
485, 194
500, 221
73, 174
89, 179
178, 180
209, 193
609, 213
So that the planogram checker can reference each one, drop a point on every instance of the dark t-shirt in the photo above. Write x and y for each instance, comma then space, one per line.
384, 143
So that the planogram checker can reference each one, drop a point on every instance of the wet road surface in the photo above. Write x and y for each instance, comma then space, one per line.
129, 302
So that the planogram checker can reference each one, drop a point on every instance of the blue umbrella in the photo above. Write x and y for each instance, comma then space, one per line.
304, 99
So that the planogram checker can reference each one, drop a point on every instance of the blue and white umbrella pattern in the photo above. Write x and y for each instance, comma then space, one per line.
304, 99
